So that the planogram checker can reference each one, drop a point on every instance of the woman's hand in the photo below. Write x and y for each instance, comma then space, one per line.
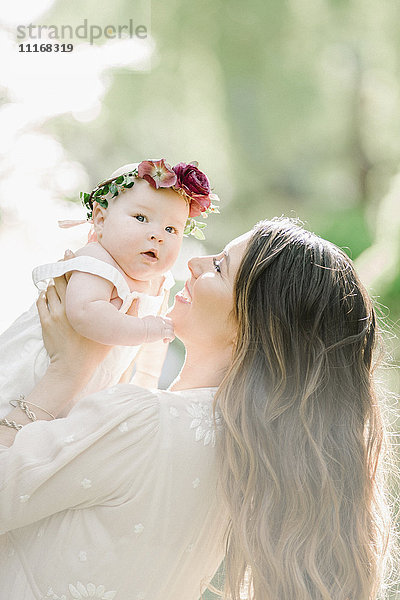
68, 350
73, 359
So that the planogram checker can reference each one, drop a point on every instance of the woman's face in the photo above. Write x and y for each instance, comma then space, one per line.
201, 312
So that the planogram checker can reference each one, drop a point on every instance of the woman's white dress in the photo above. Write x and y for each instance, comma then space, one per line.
23, 357
115, 501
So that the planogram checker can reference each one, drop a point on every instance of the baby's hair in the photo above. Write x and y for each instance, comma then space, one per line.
124, 169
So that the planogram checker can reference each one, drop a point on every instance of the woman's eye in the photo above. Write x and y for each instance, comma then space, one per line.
170, 229
216, 264
140, 218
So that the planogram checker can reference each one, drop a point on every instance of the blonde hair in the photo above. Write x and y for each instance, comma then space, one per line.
300, 454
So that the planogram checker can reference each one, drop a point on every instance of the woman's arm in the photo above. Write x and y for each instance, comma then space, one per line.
81, 461
150, 359
149, 365
73, 360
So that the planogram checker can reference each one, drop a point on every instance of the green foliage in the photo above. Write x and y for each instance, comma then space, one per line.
348, 229
290, 107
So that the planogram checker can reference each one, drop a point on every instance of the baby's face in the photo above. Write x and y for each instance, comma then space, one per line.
143, 229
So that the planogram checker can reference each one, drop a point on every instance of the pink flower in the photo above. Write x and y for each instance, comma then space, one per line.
198, 205
193, 181
157, 172
185, 177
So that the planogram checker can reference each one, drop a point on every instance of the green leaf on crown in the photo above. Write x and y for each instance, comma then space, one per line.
190, 224
198, 234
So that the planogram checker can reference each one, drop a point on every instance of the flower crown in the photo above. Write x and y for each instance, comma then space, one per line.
186, 179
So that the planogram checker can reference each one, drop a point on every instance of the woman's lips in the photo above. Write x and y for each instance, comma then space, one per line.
184, 295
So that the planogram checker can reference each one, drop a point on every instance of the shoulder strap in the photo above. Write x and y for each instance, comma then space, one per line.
86, 264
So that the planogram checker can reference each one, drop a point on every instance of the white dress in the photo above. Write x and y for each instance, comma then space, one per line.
23, 357
116, 501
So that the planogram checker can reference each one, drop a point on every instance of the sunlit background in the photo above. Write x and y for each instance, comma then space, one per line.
291, 107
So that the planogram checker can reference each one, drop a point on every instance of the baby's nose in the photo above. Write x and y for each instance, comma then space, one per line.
157, 236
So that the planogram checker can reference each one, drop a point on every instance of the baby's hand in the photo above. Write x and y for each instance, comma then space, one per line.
158, 328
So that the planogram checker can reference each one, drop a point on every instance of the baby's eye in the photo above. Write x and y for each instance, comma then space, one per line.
140, 218
216, 264
171, 229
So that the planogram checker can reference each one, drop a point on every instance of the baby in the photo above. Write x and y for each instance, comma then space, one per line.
139, 217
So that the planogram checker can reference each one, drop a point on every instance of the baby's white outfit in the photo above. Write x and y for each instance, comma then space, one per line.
23, 357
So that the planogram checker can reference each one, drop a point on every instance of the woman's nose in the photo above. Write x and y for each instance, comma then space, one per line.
199, 265
192, 267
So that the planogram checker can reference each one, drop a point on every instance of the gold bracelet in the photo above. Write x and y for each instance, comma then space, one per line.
22, 399
12, 424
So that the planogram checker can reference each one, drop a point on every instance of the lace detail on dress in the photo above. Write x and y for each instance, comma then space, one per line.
80, 591
90, 591
203, 422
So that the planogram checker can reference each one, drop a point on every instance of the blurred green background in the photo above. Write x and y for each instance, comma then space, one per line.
290, 106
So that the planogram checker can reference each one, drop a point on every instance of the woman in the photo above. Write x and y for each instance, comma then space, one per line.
118, 499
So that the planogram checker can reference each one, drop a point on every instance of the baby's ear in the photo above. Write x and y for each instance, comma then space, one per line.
98, 217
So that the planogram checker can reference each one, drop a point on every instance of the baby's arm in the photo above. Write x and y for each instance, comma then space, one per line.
92, 315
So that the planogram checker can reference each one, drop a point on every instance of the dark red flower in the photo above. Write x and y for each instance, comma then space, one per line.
193, 181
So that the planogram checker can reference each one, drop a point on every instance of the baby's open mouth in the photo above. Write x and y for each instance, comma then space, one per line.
150, 254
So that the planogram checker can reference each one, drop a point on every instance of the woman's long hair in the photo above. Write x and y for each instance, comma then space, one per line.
303, 436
